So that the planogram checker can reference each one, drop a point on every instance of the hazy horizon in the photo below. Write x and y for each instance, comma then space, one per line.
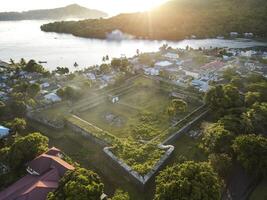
112, 7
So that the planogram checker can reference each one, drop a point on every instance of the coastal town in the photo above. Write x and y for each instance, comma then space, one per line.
103, 103
196, 69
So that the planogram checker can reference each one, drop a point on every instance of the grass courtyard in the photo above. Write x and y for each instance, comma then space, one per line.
132, 124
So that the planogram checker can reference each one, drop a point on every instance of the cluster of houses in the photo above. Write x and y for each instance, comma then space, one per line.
100, 80
184, 72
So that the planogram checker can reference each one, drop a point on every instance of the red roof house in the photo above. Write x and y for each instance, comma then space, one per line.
44, 171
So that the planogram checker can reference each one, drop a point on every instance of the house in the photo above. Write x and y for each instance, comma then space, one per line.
52, 97
114, 99
44, 174
45, 85
248, 35
201, 85
3, 132
190, 73
171, 56
3, 64
234, 34
91, 76
151, 71
161, 64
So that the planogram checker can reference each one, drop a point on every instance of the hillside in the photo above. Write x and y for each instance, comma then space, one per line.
177, 19
71, 11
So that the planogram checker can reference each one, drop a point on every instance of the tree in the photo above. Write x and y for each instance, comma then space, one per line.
216, 139
146, 59
104, 59
120, 195
229, 74
79, 184
18, 125
221, 163
12, 62
69, 93
261, 88
251, 98
189, 180
256, 118
2, 109
251, 152
27, 148
220, 98
107, 58
137, 52
32, 66
233, 123
237, 82
104, 68
62, 70
177, 105
18, 108
22, 62
33, 90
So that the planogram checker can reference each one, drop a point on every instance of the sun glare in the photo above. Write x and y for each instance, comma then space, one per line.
148, 5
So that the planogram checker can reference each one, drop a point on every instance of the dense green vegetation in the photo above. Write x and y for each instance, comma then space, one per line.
177, 19
73, 10
18, 153
238, 135
80, 184
189, 180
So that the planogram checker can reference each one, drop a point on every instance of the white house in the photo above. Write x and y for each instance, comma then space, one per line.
247, 53
151, 71
234, 34
193, 74
115, 99
163, 64
52, 97
201, 85
248, 35
45, 85
172, 56
3, 131
91, 76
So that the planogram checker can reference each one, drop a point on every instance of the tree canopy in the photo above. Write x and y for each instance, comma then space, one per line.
27, 148
217, 140
120, 195
256, 118
189, 180
251, 151
79, 184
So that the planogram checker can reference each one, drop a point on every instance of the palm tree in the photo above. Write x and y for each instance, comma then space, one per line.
12, 61
75, 64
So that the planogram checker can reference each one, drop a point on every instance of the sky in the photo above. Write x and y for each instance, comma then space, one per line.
112, 7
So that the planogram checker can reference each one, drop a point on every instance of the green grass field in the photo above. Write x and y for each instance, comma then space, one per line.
131, 125
146, 96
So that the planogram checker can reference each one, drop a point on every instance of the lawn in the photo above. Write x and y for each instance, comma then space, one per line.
145, 97
131, 125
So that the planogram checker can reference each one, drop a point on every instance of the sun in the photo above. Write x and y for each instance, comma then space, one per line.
146, 5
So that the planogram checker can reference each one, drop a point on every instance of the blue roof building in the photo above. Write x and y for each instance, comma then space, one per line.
3, 131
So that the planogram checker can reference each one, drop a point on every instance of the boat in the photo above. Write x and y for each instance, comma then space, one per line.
42, 62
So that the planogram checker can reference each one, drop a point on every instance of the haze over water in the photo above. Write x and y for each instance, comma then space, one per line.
24, 39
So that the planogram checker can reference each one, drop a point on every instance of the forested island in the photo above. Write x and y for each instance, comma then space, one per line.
69, 11
176, 20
